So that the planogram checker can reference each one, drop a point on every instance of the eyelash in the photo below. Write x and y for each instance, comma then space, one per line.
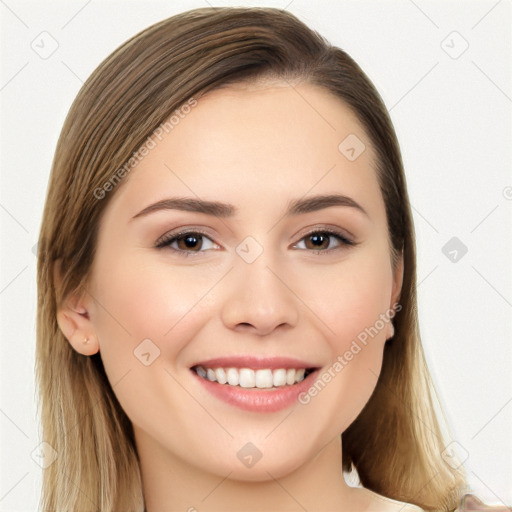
166, 240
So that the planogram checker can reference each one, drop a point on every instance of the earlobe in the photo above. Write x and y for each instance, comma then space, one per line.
77, 329
391, 330
74, 322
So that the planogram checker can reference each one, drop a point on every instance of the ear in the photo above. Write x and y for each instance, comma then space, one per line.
74, 320
398, 279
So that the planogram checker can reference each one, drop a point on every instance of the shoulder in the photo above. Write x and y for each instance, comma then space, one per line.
470, 503
379, 503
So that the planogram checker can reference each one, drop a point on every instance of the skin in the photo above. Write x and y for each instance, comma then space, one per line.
256, 147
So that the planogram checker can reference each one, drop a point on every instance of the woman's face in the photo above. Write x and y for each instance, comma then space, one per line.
267, 250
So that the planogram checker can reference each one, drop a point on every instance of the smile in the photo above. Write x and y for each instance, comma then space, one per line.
261, 385
262, 378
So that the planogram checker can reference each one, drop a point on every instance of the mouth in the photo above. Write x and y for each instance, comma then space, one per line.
262, 385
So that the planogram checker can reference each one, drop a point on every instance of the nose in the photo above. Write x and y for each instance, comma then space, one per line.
259, 300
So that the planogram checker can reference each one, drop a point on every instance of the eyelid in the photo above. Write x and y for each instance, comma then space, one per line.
343, 242
344, 239
325, 228
171, 235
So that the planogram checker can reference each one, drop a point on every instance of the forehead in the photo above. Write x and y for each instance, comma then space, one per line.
247, 141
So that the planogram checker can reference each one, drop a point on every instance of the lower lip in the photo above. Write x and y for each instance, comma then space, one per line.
256, 399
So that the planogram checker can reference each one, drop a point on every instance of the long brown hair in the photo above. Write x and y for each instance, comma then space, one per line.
396, 442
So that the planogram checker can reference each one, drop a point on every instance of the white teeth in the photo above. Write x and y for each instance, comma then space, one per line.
279, 377
221, 376
264, 379
249, 378
233, 377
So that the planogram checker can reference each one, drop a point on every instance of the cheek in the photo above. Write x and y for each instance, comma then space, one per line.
352, 302
135, 302
144, 316
350, 298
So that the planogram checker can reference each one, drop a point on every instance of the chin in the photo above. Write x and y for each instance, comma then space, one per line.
262, 471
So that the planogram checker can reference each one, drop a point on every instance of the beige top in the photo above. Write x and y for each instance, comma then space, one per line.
468, 503
383, 504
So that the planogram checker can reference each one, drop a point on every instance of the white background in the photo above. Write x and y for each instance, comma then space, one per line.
453, 119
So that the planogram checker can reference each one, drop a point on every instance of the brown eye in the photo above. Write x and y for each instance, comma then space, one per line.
190, 242
323, 241
317, 241
187, 242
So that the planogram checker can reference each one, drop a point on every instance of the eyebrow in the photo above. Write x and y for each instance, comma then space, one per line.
224, 210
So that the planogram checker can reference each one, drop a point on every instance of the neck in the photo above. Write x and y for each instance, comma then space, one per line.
171, 484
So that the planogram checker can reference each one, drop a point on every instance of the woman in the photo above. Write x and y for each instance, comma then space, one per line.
227, 304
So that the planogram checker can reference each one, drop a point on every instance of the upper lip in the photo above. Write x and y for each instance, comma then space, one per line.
273, 363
